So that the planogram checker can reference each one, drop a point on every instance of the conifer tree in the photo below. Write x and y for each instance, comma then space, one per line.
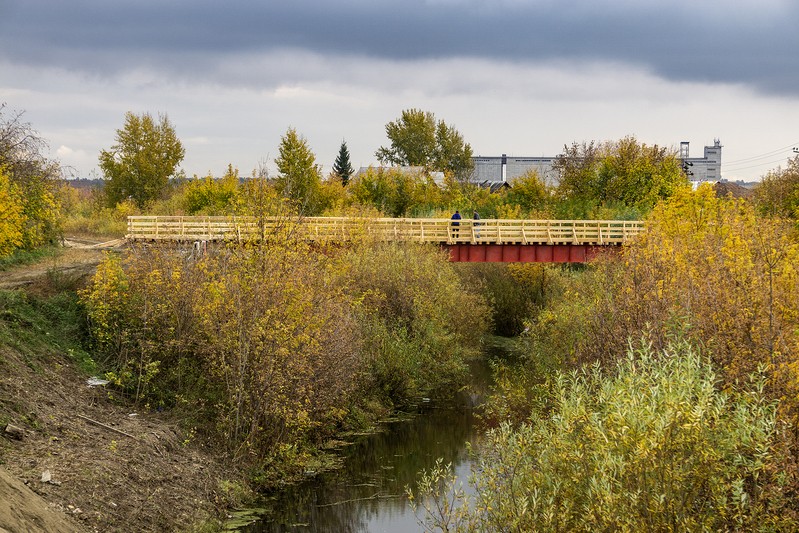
342, 167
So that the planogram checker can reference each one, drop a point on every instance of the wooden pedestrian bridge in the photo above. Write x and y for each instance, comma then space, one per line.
486, 240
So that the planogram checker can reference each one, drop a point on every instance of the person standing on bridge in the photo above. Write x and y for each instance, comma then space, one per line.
476, 225
455, 224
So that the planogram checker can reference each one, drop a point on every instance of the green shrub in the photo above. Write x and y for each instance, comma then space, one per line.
653, 446
421, 325
39, 327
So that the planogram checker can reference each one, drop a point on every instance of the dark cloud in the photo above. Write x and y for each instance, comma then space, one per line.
713, 42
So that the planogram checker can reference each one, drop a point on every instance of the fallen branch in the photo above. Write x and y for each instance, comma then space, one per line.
375, 496
15, 432
109, 428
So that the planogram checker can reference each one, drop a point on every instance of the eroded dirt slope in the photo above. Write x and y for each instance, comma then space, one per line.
112, 466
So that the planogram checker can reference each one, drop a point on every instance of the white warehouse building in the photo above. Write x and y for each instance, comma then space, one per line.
506, 169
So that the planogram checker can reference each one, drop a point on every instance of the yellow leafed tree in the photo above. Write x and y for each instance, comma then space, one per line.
12, 218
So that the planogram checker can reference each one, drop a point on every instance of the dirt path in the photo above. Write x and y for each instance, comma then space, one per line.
78, 258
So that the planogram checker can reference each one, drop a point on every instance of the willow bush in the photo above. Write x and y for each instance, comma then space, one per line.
282, 341
256, 337
652, 445
421, 325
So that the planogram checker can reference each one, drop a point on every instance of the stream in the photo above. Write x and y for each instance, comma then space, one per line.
368, 493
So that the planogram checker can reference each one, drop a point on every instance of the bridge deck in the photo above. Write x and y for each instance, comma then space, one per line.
423, 230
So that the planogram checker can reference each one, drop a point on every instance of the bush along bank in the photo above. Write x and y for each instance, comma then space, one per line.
710, 273
650, 445
271, 350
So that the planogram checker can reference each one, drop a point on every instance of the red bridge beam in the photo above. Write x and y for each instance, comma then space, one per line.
523, 253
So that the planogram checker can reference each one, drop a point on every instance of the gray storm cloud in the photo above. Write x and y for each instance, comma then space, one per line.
752, 44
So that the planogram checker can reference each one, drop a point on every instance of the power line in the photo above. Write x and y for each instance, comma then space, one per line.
763, 156
725, 166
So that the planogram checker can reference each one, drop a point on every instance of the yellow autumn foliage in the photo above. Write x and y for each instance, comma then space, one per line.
107, 301
12, 218
271, 345
708, 268
730, 274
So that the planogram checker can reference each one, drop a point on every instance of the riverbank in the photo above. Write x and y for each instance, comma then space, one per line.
110, 464
111, 467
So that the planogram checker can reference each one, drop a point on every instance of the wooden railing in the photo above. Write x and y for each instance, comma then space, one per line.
426, 230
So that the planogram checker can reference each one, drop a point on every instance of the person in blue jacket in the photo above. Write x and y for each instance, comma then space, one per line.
455, 224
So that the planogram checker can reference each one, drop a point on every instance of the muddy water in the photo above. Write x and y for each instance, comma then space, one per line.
368, 493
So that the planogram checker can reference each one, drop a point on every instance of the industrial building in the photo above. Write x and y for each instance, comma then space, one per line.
699, 169
505, 168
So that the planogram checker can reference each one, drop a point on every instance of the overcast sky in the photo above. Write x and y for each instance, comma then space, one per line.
521, 77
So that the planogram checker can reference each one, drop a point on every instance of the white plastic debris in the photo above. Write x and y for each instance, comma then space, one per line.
48, 478
95, 381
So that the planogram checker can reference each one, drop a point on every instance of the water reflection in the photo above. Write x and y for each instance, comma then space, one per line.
367, 495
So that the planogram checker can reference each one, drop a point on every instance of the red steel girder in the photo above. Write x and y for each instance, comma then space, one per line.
523, 253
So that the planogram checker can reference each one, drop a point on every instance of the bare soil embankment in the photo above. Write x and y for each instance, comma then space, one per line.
111, 466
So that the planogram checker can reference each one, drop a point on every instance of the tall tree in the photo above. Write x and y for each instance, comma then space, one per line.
451, 153
778, 192
12, 217
577, 168
32, 177
635, 174
299, 177
624, 172
418, 140
146, 154
342, 166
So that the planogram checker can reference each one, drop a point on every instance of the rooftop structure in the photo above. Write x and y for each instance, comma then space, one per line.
700, 169
504, 168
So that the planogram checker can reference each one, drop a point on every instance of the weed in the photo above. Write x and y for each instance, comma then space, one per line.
26, 257
32, 420
37, 326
